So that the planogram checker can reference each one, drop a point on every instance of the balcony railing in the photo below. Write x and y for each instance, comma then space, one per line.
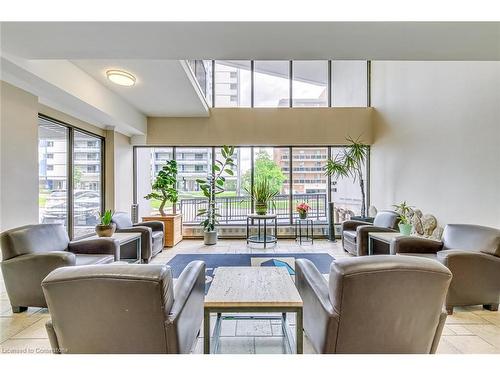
234, 210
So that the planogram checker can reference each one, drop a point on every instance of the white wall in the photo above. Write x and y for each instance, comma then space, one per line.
437, 137
19, 157
123, 172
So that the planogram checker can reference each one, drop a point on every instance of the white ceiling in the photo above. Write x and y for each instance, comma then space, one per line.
253, 40
162, 88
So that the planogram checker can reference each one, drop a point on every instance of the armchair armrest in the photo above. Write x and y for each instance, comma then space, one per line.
186, 315
362, 236
156, 226
319, 316
146, 239
96, 246
352, 224
407, 244
23, 275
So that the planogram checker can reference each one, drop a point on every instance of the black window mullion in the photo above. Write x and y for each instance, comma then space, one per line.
252, 91
213, 83
368, 83
290, 73
252, 177
290, 184
330, 83
70, 187
174, 157
329, 179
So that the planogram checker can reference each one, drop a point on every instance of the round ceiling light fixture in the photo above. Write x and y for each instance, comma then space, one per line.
120, 77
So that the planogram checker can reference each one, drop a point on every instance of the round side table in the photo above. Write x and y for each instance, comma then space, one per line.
262, 236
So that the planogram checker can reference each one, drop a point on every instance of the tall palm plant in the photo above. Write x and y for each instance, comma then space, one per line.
350, 163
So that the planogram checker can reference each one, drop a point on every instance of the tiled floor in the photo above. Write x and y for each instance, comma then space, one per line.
468, 330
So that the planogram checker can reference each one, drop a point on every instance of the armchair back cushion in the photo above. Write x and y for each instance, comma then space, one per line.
388, 304
110, 308
472, 238
386, 219
122, 220
33, 238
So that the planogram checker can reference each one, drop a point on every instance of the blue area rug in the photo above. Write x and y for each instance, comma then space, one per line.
322, 261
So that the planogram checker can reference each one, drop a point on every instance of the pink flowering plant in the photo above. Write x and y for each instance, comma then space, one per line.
302, 209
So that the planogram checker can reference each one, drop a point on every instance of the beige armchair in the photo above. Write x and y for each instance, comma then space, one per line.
377, 304
124, 308
31, 252
472, 253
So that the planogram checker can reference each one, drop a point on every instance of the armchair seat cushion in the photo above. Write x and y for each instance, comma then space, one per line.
350, 234
157, 235
88, 259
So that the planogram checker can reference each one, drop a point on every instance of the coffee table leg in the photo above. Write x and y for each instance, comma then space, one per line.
206, 332
299, 334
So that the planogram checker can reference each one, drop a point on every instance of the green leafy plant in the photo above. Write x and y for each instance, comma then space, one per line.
213, 185
404, 212
265, 168
262, 194
105, 217
350, 163
165, 186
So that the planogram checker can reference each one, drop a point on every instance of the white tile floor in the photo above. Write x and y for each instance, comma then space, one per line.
468, 330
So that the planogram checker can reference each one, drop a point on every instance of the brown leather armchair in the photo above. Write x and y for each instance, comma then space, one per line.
355, 233
377, 304
124, 308
31, 252
151, 234
472, 253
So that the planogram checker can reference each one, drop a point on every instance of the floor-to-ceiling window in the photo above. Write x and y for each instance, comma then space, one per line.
310, 83
233, 83
271, 84
306, 182
73, 201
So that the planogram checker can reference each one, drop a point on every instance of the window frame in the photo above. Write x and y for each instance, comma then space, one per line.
291, 220
70, 168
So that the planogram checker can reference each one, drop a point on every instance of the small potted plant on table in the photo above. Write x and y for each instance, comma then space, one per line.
262, 194
404, 212
303, 209
106, 228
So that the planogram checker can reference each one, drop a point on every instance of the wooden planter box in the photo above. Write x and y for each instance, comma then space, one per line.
172, 228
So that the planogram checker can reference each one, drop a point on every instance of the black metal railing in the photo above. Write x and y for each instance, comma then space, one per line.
234, 210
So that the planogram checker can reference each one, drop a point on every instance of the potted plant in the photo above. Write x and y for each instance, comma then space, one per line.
164, 189
350, 163
106, 228
262, 194
404, 212
165, 186
212, 186
302, 209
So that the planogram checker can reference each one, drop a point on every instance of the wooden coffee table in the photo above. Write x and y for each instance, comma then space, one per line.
252, 290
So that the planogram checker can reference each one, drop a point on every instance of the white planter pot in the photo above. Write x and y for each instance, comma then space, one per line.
210, 238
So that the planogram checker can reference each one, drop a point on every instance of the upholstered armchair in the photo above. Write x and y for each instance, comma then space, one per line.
124, 308
355, 233
379, 304
31, 252
151, 234
472, 253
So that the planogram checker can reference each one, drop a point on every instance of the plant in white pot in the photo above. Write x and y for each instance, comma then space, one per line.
212, 186
262, 194
405, 213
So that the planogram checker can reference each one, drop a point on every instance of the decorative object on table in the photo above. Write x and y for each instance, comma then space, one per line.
165, 186
106, 228
372, 211
350, 163
302, 209
405, 213
262, 194
212, 186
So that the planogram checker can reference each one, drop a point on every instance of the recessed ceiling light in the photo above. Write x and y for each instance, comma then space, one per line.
120, 77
